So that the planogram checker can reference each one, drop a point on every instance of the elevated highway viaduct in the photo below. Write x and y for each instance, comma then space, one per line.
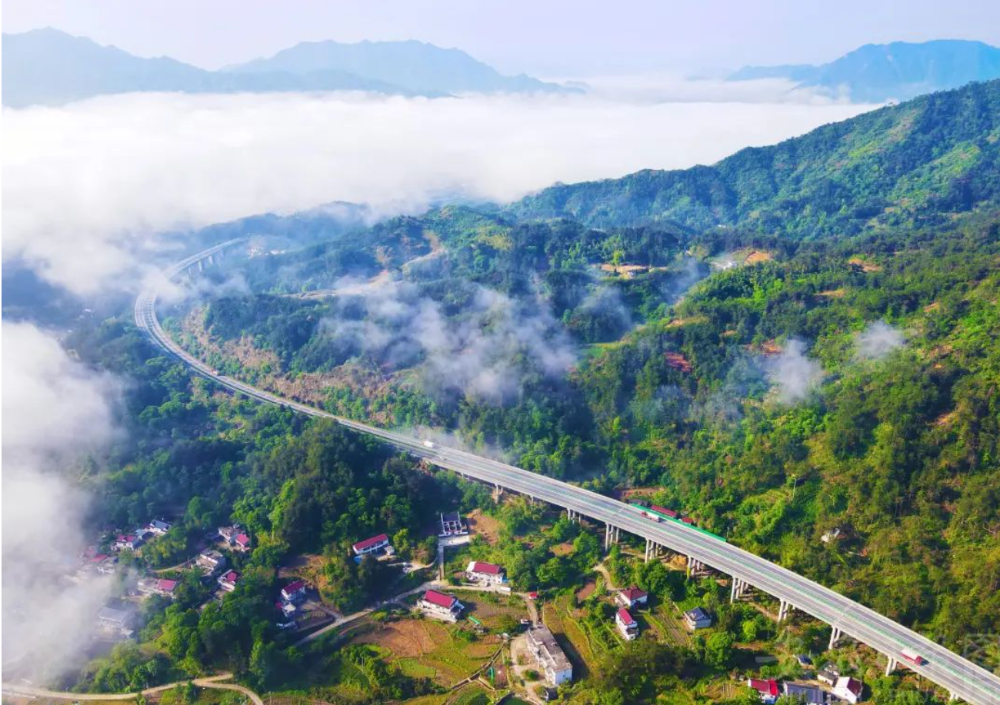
959, 676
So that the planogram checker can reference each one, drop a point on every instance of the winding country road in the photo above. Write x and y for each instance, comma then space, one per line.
960, 677
209, 682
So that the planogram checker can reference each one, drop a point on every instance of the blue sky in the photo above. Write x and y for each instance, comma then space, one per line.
552, 38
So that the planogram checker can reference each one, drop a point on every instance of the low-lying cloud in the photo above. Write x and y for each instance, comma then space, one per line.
793, 374
878, 340
473, 351
88, 186
54, 410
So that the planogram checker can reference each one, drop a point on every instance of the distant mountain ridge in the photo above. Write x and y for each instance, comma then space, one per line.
50, 67
899, 70
415, 66
916, 163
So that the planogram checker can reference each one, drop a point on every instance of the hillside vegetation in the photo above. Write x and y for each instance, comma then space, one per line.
817, 385
913, 164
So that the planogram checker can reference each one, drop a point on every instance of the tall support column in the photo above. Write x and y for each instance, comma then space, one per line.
834, 638
616, 537
732, 589
649, 549
890, 666
607, 536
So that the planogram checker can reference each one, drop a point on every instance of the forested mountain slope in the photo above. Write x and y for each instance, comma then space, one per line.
916, 163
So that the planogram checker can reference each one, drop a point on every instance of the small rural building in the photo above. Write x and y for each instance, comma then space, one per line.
241, 543
827, 675
626, 624
549, 655
697, 619
848, 689
158, 527
766, 689
293, 591
129, 542
372, 545
211, 561
440, 605
809, 694
228, 533
485, 573
453, 525
166, 587
228, 580
286, 608
632, 596
116, 621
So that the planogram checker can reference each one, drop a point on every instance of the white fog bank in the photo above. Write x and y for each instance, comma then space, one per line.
86, 184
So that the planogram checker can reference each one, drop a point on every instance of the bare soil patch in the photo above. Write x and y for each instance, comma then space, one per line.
485, 526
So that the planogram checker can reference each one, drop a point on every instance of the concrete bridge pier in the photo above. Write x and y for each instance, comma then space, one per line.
649, 549
834, 637
201, 265
783, 610
497, 491
693, 566
890, 666
610, 536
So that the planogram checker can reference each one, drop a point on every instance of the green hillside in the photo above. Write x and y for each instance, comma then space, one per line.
913, 164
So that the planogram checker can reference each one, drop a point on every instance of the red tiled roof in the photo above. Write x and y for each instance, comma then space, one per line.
294, 587
99, 558
488, 568
625, 617
243, 540
166, 585
633, 593
768, 687
440, 599
688, 520
532, 595
663, 510
232, 576
368, 543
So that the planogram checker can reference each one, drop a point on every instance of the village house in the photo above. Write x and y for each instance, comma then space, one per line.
372, 545
115, 621
697, 619
129, 542
453, 525
286, 608
229, 533
767, 690
626, 623
165, 587
440, 606
241, 543
828, 674
549, 655
158, 527
848, 689
485, 573
228, 580
293, 591
211, 561
632, 596
808, 694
